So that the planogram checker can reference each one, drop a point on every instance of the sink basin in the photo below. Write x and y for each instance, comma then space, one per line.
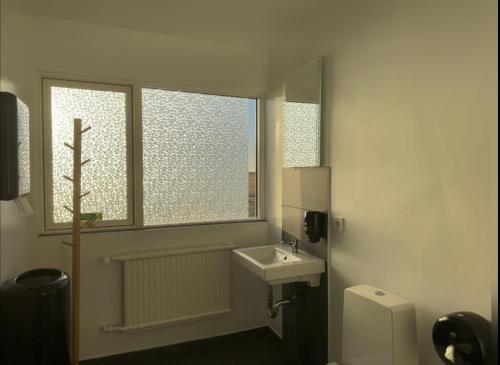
278, 265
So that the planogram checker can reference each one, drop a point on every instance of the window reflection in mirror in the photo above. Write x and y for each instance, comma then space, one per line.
302, 117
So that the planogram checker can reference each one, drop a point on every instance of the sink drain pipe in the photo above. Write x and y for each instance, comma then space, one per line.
274, 307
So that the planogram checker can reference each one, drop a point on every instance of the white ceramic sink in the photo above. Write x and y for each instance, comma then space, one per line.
278, 265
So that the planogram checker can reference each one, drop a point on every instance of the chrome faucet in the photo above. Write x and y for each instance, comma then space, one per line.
294, 243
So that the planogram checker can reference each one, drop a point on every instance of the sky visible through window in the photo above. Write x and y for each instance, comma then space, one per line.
252, 156
252, 134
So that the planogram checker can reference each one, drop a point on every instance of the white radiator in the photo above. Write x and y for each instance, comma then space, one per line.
166, 287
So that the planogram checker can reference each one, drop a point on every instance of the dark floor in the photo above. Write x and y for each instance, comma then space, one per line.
255, 347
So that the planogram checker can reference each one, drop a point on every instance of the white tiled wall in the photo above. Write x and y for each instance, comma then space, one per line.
306, 188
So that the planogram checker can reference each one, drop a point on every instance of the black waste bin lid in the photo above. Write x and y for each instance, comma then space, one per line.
40, 278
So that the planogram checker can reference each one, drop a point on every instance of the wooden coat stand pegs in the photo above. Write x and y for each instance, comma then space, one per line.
75, 244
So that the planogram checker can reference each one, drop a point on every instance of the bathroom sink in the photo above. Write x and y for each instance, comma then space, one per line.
279, 265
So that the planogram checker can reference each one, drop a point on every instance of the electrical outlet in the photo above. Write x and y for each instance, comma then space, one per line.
339, 224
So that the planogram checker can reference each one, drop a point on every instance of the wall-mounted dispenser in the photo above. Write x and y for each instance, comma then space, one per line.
315, 225
14, 147
463, 338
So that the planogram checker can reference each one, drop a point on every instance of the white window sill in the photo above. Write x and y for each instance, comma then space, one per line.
59, 232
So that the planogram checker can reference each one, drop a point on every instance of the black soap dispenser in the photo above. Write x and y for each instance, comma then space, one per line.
315, 225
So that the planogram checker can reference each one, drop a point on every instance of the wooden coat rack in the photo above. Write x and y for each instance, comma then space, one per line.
75, 244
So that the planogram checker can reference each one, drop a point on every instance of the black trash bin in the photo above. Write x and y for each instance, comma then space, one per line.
34, 317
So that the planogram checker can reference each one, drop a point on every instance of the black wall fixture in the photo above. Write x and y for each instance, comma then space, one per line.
315, 225
463, 338
14, 147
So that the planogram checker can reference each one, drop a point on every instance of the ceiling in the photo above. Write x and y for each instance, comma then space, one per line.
250, 23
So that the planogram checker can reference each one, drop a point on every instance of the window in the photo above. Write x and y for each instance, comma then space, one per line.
199, 155
302, 116
301, 135
106, 108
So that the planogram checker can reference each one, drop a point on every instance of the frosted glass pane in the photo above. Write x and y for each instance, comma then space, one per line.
105, 144
196, 157
301, 139
23, 118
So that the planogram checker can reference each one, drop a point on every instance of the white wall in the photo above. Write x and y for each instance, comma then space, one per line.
102, 291
73, 50
273, 173
411, 115
13, 78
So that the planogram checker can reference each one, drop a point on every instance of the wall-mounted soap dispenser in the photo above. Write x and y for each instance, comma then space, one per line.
315, 225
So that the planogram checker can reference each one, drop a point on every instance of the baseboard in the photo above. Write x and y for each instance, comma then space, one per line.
184, 342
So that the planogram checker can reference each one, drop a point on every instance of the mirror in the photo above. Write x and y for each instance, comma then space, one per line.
302, 117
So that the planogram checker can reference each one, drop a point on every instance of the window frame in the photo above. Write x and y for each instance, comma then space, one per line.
135, 212
47, 84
